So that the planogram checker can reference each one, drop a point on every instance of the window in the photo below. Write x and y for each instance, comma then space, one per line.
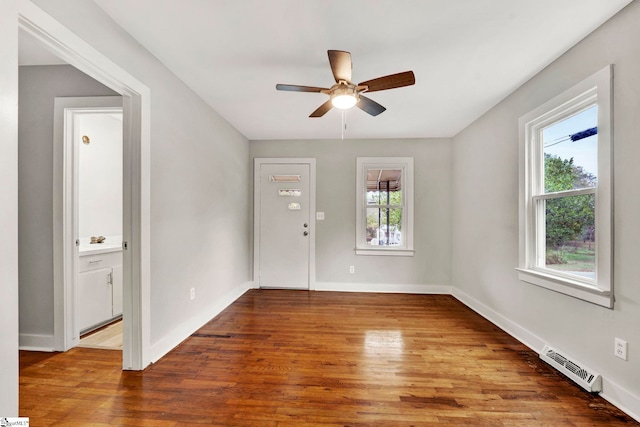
384, 206
566, 192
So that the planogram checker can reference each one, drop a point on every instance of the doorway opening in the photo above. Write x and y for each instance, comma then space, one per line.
58, 40
92, 131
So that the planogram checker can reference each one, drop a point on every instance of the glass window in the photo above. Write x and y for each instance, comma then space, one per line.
570, 149
384, 206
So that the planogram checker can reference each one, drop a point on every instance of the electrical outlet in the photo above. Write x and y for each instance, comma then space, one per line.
193, 293
621, 348
352, 269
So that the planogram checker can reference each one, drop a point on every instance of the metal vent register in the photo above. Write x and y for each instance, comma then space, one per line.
576, 371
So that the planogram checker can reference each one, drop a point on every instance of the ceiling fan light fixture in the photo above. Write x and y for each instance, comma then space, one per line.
344, 101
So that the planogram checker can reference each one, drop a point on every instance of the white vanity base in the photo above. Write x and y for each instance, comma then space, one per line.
99, 296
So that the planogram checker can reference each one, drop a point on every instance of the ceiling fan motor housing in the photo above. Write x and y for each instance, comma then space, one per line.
344, 95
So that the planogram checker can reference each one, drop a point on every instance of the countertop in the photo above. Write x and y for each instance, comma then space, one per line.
99, 248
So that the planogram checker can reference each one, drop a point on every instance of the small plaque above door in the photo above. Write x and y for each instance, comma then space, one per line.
285, 178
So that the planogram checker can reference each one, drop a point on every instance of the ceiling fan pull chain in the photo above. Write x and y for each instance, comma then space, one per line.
344, 124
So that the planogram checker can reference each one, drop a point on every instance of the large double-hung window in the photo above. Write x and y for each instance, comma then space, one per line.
566, 192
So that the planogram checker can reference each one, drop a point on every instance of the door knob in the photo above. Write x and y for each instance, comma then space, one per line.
305, 225
306, 233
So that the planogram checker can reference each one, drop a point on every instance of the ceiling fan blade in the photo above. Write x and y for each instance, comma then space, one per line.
322, 110
297, 88
340, 65
390, 82
370, 106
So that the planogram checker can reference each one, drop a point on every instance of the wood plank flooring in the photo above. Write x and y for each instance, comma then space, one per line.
108, 337
297, 358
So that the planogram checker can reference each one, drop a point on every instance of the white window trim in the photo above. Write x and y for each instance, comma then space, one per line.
406, 164
595, 89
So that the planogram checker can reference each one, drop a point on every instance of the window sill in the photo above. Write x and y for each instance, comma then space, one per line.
385, 252
567, 286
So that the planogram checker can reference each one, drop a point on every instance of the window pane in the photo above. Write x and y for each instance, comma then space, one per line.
378, 233
570, 235
384, 187
571, 152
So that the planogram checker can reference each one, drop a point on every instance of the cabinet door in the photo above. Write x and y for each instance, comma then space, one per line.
94, 298
117, 290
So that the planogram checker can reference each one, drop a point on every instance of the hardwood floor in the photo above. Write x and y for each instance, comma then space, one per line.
108, 337
297, 358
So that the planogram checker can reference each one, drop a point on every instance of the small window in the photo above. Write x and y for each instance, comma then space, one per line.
565, 183
384, 206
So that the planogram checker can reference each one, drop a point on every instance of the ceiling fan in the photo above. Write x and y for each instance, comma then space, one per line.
345, 94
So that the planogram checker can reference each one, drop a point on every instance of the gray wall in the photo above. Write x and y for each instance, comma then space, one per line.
336, 197
39, 85
485, 211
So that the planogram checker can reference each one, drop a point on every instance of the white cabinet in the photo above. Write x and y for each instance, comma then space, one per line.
94, 297
99, 291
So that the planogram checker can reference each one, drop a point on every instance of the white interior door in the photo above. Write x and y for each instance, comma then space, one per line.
283, 214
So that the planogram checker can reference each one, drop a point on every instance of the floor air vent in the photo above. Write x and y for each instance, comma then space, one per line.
579, 373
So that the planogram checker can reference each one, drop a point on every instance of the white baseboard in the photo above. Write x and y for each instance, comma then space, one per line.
621, 399
175, 337
613, 393
36, 342
382, 288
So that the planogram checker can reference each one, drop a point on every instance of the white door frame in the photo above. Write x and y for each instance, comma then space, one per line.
136, 178
66, 334
258, 162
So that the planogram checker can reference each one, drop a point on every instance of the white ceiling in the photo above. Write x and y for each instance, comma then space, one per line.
467, 55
